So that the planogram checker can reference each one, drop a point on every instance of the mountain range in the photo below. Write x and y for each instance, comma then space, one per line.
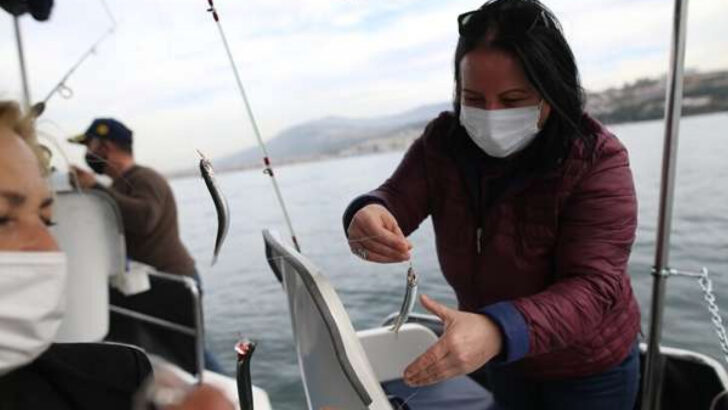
341, 136
333, 136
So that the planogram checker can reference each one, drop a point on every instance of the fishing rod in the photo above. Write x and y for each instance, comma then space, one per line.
21, 60
266, 159
61, 88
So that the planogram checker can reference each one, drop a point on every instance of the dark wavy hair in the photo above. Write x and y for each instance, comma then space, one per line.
529, 31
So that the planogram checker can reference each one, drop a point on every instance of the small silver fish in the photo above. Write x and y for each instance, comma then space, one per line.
221, 205
410, 296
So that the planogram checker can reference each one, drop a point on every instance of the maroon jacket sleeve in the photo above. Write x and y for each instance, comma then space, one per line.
595, 235
404, 194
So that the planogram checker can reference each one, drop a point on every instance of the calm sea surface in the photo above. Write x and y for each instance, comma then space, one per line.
242, 297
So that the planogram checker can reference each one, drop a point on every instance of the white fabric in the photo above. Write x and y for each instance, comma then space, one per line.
32, 303
501, 133
135, 280
89, 233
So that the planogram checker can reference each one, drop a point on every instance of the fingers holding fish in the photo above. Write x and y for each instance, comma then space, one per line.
391, 234
379, 258
384, 243
375, 229
366, 254
368, 242
399, 233
372, 247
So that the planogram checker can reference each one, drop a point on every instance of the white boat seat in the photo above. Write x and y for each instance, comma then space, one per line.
336, 371
89, 231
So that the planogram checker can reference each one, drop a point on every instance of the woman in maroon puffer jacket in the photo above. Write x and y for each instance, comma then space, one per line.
534, 212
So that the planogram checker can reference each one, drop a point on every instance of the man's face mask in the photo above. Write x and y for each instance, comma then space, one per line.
32, 303
96, 160
501, 133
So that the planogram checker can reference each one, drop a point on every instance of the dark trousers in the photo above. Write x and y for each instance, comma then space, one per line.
613, 389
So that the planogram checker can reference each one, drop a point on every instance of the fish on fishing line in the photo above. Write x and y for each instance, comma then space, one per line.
410, 297
221, 204
411, 286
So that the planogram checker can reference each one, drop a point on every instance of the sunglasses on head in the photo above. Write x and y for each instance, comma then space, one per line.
474, 23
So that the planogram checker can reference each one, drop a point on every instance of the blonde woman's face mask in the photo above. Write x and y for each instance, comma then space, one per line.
32, 270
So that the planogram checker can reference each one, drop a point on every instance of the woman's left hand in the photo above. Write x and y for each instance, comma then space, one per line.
469, 341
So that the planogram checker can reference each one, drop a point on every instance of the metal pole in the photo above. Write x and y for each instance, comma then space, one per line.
654, 366
21, 59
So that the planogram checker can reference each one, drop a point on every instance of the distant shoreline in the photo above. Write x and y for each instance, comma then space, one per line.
363, 152
338, 137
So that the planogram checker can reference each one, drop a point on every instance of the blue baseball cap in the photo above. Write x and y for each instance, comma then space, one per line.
105, 128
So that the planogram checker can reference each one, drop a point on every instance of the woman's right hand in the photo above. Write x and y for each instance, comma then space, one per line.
374, 235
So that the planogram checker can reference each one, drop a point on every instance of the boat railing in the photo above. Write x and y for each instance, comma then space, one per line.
165, 320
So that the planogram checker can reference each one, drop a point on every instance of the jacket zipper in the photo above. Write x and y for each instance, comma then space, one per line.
479, 218
479, 239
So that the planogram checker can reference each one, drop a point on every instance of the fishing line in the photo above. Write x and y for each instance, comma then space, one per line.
332, 254
327, 254
364, 239
404, 403
316, 255
268, 167
52, 139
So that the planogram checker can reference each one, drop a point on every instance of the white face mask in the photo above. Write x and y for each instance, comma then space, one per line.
501, 133
32, 289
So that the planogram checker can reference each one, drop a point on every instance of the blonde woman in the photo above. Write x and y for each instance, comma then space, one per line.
34, 372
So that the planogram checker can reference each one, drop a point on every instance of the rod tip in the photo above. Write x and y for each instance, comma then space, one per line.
244, 347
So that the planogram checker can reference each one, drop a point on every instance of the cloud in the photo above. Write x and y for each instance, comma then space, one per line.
164, 72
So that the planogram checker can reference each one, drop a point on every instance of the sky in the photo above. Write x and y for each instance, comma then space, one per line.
165, 74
